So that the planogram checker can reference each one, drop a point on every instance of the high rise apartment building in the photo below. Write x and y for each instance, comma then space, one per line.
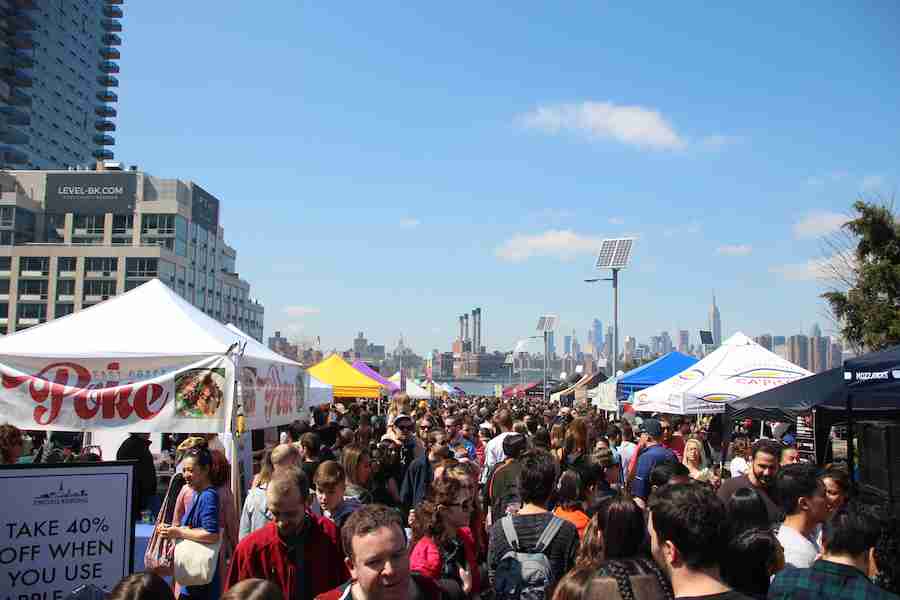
597, 329
798, 350
684, 341
765, 341
56, 82
71, 239
819, 348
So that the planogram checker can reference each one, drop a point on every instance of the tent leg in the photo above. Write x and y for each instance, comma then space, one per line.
850, 445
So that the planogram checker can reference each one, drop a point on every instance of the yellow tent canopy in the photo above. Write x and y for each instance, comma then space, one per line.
347, 381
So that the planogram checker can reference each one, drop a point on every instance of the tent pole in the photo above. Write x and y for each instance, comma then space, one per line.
850, 445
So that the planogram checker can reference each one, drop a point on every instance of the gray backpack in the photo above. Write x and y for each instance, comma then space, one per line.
525, 575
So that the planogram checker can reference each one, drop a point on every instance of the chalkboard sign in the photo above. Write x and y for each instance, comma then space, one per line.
63, 527
805, 439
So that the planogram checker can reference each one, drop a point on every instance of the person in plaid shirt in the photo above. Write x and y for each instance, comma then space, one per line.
843, 571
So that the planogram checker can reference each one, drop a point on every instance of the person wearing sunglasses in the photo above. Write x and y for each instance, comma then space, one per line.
420, 474
443, 548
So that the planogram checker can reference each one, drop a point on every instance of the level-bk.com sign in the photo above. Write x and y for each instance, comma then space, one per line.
63, 527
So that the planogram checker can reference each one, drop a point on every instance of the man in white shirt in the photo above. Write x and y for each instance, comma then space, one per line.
802, 498
493, 452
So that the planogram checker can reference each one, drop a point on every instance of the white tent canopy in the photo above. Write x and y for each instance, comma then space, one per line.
317, 393
413, 390
739, 368
146, 360
604, 395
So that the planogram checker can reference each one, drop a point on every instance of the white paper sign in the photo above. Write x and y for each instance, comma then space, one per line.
62, 527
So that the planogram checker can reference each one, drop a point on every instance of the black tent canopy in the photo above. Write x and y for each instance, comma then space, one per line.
869, 385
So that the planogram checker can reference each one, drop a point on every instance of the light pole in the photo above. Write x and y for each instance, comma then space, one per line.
615, 285
520, 350
614, 254
546, 324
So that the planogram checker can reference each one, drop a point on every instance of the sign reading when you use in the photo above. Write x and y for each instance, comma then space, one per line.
62, 527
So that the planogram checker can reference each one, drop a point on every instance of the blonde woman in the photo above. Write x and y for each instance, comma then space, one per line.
695, 461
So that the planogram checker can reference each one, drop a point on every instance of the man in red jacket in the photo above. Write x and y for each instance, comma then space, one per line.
298, 551
378, 560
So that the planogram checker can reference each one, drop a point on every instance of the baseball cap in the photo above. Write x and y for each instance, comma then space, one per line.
514, 445
396, 418
651, 427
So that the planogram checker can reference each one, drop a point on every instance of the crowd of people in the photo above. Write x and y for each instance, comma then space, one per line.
481, 498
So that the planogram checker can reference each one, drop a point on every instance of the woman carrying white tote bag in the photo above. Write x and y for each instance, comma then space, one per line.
198, 537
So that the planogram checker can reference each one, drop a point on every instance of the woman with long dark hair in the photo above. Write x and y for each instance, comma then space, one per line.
443, 548
613, 561
141, 586
751, 558
201, 522
746, 510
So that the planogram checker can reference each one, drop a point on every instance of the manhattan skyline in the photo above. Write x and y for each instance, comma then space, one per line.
395, 164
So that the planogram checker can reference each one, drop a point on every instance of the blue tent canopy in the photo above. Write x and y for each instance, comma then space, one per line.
652, 373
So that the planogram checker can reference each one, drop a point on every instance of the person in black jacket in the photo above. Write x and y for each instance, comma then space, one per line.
420, 473
137, 447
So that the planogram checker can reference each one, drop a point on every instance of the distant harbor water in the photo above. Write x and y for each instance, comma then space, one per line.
478, 387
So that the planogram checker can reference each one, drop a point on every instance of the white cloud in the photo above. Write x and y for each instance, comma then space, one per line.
558, 243
631, 125
735, 250
871, 183
616, 221
301, 311
817, 224
409, 223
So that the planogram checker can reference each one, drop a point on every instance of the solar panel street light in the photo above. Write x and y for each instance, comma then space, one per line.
546, 324
615, 254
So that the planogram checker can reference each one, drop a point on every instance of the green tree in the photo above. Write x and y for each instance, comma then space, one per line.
868, 311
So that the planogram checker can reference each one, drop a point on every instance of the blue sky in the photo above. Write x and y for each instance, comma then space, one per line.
386, 167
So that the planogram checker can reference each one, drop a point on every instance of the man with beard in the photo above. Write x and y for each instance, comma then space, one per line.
687, 525
761, 476
378, 560
297, 551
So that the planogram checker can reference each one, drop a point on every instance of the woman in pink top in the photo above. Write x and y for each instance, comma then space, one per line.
443, 548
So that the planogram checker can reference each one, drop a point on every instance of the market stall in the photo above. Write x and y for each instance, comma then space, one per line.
147, 361
346, 381
413, 390
739, 367
652, 373
369, 372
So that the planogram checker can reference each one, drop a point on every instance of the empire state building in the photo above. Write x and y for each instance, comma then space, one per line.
715, 323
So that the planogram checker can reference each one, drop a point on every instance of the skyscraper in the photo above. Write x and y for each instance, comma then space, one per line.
551, 343
798, 350
567, 345
715, 323
684, 341
819, 348
815, 331
764, 340
597, 327
56, 83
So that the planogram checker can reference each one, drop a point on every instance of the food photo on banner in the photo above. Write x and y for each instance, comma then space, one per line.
65, 527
